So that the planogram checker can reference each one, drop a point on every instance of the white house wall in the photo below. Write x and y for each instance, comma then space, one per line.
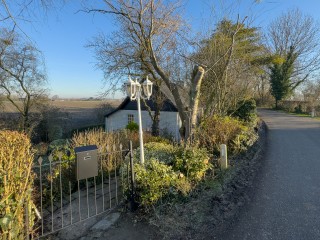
169, 121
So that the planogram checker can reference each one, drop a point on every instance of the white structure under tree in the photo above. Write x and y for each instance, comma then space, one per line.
128, 111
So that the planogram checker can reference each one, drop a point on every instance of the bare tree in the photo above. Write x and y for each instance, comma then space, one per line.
311, 93
151, 39
15, 11
158, 98
296, 30
22, 76
262, 89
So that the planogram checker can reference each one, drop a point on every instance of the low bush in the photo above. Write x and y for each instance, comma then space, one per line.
182, 185
127, 135
294, 106
159, 139
216, 130
132, 126
161, 151
16, 183
153, 181
56, 149
192, 162
246, 111
167, 169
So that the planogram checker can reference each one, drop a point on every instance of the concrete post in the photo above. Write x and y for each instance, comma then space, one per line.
223, 156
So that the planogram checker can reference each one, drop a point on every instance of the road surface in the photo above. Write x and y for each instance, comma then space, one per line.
286, 200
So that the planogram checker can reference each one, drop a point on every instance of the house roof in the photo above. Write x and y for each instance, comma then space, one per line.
168, 106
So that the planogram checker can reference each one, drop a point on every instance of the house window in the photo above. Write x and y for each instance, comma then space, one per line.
130, 118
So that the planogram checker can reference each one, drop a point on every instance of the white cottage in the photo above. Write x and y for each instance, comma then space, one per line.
128, 112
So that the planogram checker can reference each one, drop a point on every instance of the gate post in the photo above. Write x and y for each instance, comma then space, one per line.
133, 204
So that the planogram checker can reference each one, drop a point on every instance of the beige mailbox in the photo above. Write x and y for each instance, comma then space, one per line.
87, 161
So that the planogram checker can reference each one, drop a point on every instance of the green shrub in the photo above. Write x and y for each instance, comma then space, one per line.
127, 135
153, 181
58, 144
182, 185
167, 169
246, 110
132, 126
159, 139
161, 151
41, 148
16, 183
58, 148
216, 130
55, 132
192, 162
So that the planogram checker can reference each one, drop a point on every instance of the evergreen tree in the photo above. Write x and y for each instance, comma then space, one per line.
282, 68
232, 52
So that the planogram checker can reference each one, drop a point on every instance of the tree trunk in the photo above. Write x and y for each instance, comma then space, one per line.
158, 101
158, 104
155, 123
195, 96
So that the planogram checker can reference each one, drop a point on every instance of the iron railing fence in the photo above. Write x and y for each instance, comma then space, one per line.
60, 200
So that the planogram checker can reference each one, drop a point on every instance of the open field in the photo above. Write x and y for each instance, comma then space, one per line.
67, 105
81, 113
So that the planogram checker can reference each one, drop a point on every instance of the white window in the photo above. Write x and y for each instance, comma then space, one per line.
130, 118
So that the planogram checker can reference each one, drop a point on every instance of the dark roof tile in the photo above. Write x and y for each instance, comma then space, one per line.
168, 106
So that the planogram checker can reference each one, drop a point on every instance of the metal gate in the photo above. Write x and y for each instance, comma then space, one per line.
61, 200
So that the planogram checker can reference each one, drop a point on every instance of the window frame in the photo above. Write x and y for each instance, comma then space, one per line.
130, 118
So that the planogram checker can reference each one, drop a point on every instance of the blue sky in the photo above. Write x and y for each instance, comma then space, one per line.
63, 33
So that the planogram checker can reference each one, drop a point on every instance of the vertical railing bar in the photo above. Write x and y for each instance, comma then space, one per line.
132, 178
61, 204
122, 178
70, 202
109, 178
115, 176
79, 196
51, 195
113, 156
87, 197
95, 194
128, 174
102, 187
41, 200
110, 203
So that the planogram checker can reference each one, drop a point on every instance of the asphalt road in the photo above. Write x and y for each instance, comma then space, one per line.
285, 202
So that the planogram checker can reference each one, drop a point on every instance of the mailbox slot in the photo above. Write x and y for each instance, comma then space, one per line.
87, 161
